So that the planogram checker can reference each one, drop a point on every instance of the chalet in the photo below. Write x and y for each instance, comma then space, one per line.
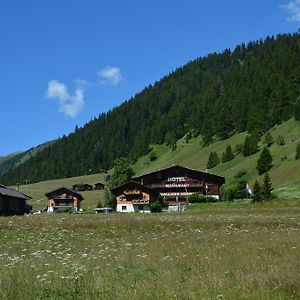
13, 202
99, 186
82, 187
176, 183
134, 197
63, 199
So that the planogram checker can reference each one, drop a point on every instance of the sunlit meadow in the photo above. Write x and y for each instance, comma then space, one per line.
210, 253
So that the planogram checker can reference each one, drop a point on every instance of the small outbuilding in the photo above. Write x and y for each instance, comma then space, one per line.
134, 197
99, 186
13, 202
82, 187
63, 199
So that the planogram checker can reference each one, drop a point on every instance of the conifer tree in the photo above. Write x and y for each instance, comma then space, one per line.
250, 145
264, 163
257, 192
268, 139
213, 160
297, 151
267, 187
228, 154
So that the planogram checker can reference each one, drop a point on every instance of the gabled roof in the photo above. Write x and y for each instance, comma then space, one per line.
221, 178
136, 185
5, 191
71, 191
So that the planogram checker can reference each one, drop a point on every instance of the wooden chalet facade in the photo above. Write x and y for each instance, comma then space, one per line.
63, 199
176, 183
134, 197
13, 202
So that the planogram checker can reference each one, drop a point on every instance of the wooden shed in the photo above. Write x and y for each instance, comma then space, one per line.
99, 186
82, 187
13, 202
63, 199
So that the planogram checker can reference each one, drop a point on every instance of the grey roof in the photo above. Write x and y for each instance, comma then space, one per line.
5, 191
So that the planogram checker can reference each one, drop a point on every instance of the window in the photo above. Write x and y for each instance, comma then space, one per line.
141, 207
124, 207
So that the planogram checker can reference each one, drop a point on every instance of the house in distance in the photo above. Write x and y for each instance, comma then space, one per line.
63, 199
82, 187
99, 186
13, 202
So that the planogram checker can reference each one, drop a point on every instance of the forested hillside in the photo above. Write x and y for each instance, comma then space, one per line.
251, 88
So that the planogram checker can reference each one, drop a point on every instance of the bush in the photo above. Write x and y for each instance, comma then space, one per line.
157, 205
153, 156
234, 191
240, 174
197, 198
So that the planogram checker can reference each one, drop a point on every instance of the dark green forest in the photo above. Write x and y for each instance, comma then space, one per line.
251, 88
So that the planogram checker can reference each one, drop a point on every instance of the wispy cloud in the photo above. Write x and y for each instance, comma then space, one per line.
110, 75
293, 9
70, 105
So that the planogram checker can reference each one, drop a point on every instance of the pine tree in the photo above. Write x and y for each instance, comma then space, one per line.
250, 145
268, 139
297, 151
213, 160
257, 192
228, 154
267, 187
264, 163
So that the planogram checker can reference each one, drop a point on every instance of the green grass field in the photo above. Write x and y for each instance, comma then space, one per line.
225, 251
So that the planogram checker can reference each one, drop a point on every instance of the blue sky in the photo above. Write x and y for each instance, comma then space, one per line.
64, 62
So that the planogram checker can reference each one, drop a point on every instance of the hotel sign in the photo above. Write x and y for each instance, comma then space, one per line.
177, 182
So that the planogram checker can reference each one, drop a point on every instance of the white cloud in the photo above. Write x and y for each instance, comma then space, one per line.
110, 75
70, 105
293, 8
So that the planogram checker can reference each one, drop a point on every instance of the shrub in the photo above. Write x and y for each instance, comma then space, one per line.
234, 191
280, 140
153, 156
240, 174
197, 198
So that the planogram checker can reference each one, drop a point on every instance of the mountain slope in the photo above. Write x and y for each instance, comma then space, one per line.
285, 173
251, 88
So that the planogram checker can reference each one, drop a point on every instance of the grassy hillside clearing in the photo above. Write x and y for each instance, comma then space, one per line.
247, 252
285, 173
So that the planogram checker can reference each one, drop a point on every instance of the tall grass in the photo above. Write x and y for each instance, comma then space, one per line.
224, 253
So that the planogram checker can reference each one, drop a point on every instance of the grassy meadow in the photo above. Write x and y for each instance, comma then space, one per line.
241, 251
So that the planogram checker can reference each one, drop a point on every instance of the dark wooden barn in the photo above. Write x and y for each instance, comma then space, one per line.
13, 202
99, 186
82, 187
176, 183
